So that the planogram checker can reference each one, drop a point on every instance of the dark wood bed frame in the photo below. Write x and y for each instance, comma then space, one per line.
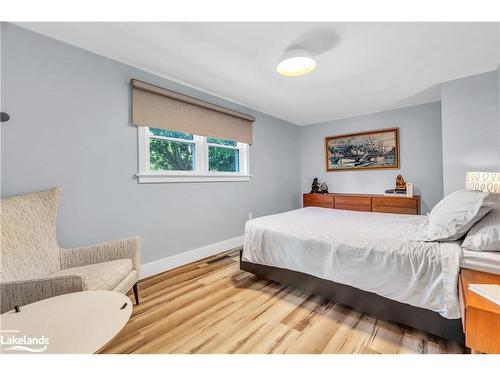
362, 301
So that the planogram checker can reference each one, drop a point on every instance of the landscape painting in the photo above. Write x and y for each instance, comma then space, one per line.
377, 149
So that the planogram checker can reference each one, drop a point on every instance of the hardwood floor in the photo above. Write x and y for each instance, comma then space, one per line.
212, 307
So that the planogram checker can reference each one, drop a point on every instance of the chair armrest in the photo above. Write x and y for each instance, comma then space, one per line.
23, 292
120, 249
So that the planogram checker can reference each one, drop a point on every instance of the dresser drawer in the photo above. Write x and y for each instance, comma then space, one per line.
318, 200
353, 201
352, 207
395, 202
395, 210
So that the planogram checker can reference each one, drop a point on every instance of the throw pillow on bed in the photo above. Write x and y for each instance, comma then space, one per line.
455, 214
485, 234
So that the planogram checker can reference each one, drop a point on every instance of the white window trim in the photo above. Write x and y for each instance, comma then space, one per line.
147, 176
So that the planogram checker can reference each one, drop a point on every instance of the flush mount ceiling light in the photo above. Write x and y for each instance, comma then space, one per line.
295, 63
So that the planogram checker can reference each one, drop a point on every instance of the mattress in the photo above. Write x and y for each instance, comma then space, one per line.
485, 261
381, 253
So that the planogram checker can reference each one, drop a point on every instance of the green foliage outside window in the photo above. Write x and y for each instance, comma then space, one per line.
219, 141
170, 133
222, 159
170, 155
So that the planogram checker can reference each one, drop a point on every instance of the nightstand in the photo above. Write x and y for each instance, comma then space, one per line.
480, 317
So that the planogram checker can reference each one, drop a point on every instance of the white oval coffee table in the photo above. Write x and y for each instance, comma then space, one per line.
77, 323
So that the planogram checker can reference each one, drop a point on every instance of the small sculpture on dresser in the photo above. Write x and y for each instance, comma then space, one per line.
323, 189
400, 187
315, 186
400, 183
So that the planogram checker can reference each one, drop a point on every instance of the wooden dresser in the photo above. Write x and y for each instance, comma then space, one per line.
480, 317
365, 202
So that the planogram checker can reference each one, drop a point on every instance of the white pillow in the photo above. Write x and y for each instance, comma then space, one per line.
485, 234
455, 214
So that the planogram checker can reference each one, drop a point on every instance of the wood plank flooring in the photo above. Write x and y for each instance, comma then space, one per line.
211, 306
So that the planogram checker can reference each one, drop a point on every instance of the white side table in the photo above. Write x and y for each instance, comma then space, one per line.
76, 323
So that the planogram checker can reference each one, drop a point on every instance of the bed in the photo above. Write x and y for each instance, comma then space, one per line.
376, 263
484, 261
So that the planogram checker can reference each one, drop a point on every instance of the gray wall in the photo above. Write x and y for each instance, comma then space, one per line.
420, 148
70, 126
470, 127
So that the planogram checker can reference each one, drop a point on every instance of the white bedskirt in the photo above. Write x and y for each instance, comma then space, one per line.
380, 253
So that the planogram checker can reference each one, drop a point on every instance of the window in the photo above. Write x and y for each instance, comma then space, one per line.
171, 156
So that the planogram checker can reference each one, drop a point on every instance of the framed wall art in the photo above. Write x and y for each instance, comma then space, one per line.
376, 149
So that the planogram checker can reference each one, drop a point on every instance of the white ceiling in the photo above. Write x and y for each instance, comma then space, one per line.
362, 67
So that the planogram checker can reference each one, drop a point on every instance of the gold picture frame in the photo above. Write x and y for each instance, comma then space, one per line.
374, 149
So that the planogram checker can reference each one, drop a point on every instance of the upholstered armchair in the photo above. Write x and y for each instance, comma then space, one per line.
34, 267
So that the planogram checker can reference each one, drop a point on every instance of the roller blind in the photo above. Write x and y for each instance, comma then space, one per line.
157, 107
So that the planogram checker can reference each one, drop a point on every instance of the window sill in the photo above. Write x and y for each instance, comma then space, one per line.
159, 178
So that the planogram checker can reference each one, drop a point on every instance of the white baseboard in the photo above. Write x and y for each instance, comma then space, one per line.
165, 264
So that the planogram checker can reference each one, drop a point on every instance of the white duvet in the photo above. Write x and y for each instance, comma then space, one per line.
380, 253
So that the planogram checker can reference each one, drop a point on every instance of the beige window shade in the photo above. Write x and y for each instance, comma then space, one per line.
157, 107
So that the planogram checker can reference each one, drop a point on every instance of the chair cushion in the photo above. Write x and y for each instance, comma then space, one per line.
29, 242
104, 276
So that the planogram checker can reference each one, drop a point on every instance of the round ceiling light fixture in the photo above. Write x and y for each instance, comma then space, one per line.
295, 63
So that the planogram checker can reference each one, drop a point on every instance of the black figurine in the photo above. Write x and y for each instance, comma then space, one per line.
323, 189
315, 186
